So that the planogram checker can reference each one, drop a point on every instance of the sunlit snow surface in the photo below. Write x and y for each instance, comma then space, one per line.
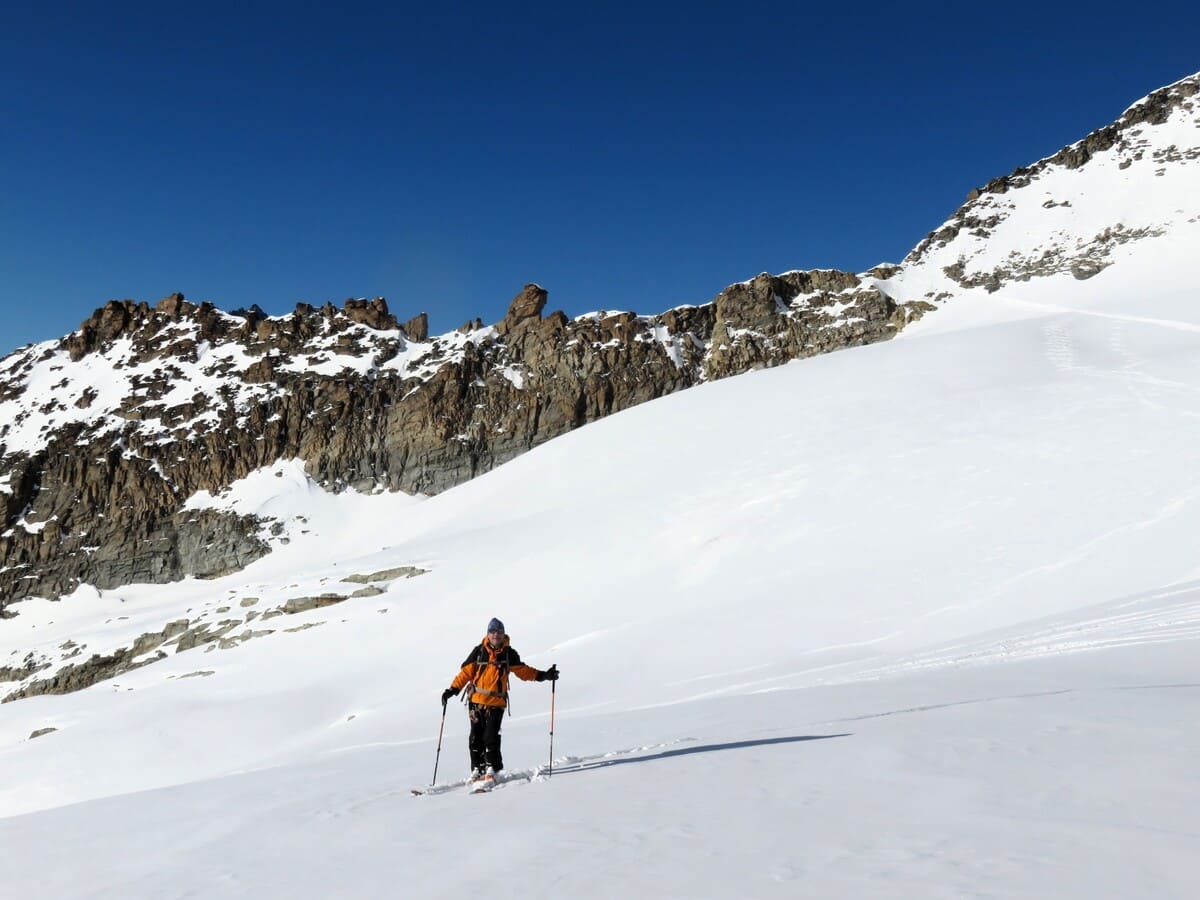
912, 620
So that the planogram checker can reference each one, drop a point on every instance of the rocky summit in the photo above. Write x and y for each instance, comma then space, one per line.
106, 434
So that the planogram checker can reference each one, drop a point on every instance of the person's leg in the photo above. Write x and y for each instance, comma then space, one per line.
477, 742
495, 718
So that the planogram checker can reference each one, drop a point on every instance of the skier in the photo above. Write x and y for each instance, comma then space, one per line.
486, 670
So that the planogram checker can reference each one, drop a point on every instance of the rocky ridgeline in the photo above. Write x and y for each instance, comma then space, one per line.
1136, 140
105, 434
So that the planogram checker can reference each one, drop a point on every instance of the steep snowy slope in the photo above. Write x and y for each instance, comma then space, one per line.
1076, 212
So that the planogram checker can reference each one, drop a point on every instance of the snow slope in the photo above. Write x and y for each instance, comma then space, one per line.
1059, 217
915, 619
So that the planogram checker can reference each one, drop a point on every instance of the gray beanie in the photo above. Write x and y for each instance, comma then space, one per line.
496, 625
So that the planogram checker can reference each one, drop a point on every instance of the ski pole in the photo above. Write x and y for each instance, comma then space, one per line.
437, 759
553, 685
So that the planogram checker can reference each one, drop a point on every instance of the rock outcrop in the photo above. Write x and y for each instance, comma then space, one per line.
205, 631
105, 434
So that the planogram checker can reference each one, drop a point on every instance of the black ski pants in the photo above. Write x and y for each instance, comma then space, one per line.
484, 741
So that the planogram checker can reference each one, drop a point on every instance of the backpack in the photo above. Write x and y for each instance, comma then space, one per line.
479, 656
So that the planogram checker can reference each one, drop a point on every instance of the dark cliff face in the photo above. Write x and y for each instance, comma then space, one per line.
105, 434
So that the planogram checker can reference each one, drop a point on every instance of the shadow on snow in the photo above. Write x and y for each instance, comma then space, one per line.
687, 751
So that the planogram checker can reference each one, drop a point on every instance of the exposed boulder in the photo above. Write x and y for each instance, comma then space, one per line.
417, 328
372, 313
386, 575
78, 676
525, 306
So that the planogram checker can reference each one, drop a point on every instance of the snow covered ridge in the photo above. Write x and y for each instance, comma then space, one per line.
170, 369
106, 434
1134, 179
171, 373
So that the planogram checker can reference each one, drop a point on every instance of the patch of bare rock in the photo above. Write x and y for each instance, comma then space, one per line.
183, 635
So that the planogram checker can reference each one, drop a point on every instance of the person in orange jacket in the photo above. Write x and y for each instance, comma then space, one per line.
486, 670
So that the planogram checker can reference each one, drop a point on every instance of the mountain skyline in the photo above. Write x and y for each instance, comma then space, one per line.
443, 161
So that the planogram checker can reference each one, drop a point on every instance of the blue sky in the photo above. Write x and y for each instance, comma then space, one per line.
624, 157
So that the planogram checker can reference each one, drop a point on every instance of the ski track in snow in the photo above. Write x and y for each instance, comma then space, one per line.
1166, 616
511, 777
1035, 695
1161, 617
1118, 317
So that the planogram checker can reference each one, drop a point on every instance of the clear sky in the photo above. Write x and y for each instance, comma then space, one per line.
444, 154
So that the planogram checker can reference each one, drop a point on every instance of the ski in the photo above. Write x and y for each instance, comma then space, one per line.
483, 785
473, 787
434, 789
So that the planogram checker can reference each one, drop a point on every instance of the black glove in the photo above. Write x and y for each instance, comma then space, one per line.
551, 674
447, 694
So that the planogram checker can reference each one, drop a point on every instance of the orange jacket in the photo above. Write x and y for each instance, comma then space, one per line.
487, 669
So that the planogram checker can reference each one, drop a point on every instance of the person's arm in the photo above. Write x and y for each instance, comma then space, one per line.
465, 674
529, 673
